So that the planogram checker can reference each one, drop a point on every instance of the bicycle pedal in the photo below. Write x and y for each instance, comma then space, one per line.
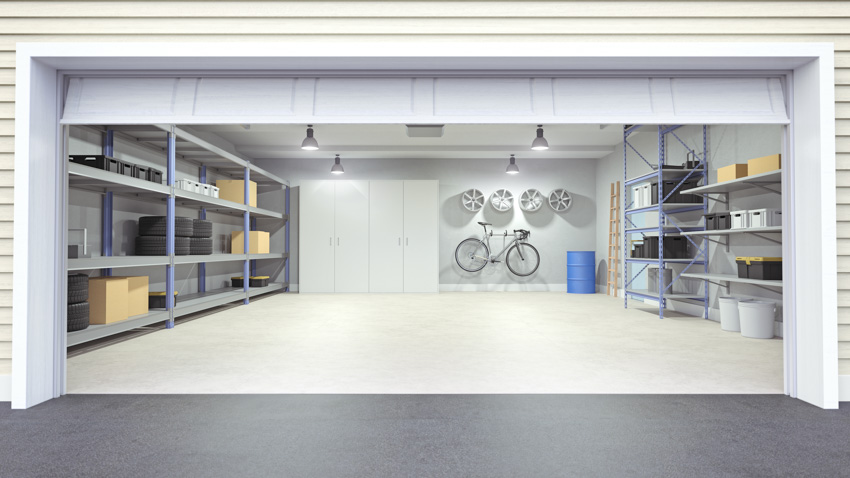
495, 261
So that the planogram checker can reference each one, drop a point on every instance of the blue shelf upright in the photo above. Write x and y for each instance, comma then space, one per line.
666, 214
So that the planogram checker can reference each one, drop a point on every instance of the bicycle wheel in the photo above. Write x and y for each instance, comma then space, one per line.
523, 264
472, 255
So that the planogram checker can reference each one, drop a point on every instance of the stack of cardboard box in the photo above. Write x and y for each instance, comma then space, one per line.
113, 299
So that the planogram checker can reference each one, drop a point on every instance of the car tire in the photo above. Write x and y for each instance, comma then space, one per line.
201, 228
156, 226
78, 316
78, 288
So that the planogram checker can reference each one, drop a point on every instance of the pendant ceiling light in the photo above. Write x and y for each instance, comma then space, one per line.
540, 143
337, 167
512, 167
310, 143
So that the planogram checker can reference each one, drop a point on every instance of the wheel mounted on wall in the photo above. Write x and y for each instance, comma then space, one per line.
472, 200
560, 200
530, 200
502, 200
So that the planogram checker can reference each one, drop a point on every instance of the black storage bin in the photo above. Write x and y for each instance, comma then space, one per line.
97, 161
129, 169
156, 300
690, 198
141, 172
638, 251
674, 248
724, 221
258, 281
154, 175
761, 268
650, 247
710, 221
238, 282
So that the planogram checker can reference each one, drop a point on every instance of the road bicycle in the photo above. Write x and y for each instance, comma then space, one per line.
522, 258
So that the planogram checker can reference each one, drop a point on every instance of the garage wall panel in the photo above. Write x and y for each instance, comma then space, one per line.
260, 21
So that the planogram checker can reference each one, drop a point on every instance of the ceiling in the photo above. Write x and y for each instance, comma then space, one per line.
392, 142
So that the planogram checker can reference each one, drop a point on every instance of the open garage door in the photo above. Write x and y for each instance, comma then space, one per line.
211, 100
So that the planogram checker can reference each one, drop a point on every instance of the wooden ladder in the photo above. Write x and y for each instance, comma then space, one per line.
613, 240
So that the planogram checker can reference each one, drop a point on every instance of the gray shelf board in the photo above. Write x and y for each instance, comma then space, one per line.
665, 174
94, 332
653, 231
732, 278
271, 255
256, 211
254, 291
187, 198
670, 261
740, 184
85, 177
672, 296
208, 258
667, 206
726, 232
191, 303
116, 261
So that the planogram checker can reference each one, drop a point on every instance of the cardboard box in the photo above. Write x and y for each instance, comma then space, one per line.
733, 171
764, 164
234, 190
137, 295
258, 242
108, 299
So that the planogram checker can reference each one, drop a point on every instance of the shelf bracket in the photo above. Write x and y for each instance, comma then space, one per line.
724, 284
766, 238
722, 201
766, 287
762, 186
726, 244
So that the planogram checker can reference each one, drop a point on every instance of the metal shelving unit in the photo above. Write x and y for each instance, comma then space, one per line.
665, 212
166, 138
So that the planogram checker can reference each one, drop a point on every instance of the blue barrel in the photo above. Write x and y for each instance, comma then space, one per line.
581, 272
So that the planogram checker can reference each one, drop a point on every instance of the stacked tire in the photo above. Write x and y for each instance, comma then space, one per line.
201, 242
78, 305
152, 232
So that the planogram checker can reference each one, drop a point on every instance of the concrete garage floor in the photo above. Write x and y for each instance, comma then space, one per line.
450, 343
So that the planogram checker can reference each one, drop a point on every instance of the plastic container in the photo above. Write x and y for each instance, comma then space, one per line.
710, 221
761, 268
156, 300
581, 272
205, 189
756, 318
141, 172
238, 282
646, 192
637, 196
765, 217
652, 279
258, 281
724, 221
214, 191
740, 219
97, 161
730, 321
154, 175
128, 169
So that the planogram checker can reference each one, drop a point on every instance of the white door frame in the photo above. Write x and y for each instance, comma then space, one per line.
811, 334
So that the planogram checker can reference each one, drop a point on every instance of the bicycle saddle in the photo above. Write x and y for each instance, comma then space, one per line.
521, 230
484, 224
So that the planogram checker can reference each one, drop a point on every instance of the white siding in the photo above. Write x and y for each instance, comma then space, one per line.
623, 21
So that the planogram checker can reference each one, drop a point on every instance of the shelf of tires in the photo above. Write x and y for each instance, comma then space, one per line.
662, 193
115, 304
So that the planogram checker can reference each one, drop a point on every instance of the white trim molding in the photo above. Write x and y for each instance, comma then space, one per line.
844, 388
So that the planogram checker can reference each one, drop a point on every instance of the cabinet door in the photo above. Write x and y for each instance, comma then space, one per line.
386, 236
421, 236
316, 237
351, 273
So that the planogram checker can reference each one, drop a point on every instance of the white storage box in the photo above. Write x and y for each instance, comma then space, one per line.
205, 189
646, 192
186, 185
740, 219
765, 217
637, 197
213, 191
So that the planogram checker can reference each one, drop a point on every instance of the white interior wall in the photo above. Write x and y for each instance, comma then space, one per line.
552, 233
728, 144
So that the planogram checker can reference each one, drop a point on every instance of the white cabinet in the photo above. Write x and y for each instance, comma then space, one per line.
369, 236
421, 236
316, 237
386, 236
351, 258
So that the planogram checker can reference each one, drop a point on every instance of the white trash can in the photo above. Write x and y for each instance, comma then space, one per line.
757, 318
729, 318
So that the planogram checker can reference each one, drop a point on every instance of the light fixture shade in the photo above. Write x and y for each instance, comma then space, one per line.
310, 143
540, 143
512, 167
337, 167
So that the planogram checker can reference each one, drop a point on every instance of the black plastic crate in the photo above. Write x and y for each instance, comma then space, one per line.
638, 251
141, 172
97, 161
156, 300
258, 281
766, 269
154, 175
238, 282
710, 221
674, 248
724, 221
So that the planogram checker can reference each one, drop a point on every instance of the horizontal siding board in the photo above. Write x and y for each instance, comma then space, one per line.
844, 298
7, 111
843, 264
6, 229
6, 246
7, 127
5, 350
330, 9
7, 93
844, 350
7, 59
842, 110
424, 25
5, 333
844, 333
7, 161
7, 76
842, 127
842, 144
5, 367
844, 315
842, 161
7, 196
7, 144
843, 250
6, 315
844, 367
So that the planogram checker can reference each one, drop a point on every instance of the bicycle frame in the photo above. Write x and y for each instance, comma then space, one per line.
493, 257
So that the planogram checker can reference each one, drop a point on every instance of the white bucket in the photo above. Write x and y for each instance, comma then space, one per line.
757, 319
729, 318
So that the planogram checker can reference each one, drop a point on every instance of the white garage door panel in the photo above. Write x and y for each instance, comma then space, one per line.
306, 100
250, 96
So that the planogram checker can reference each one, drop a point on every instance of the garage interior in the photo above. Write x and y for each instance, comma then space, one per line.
490, 331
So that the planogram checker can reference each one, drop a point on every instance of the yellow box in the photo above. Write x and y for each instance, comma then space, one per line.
234, 190
733, 171
137, 295
764, 164
258, 242
108, 299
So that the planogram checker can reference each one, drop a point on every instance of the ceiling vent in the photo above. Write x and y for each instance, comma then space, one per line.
425, 130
